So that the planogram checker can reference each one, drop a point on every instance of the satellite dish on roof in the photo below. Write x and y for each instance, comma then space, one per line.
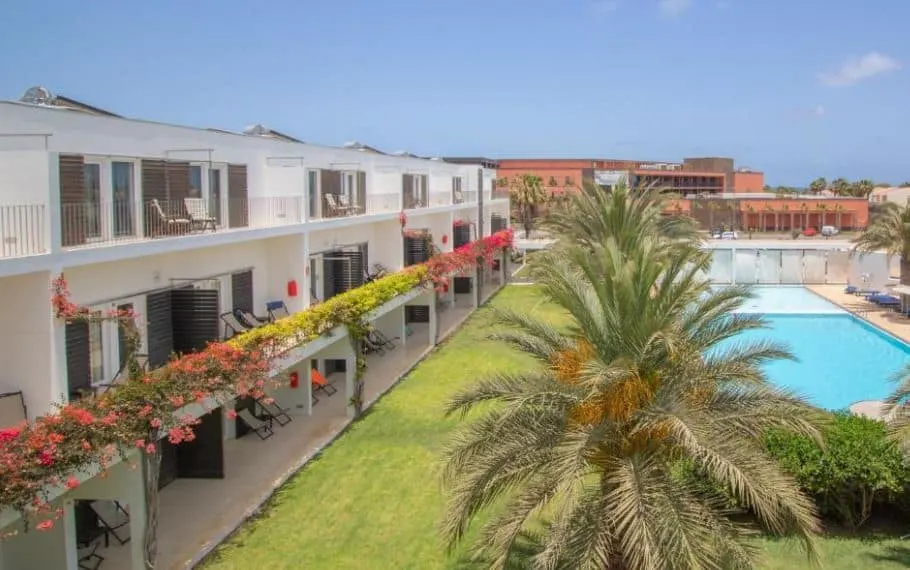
256, 130
38, 96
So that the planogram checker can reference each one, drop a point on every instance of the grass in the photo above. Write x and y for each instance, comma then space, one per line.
372, 500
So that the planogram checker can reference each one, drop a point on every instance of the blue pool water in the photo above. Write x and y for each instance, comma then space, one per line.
842, 359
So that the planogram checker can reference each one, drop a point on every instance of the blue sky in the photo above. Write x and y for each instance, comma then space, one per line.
797, 88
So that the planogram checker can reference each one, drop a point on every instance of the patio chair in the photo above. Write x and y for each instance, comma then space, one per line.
277, 310
345, 202
249, 319
336, 209
319, 383
459, 197
88, 557
231, 321
171, 223
369, 347
199, 215
262, 428
376, 337
275, 411
113, 517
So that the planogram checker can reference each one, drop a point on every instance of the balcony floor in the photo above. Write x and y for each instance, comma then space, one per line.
195, 514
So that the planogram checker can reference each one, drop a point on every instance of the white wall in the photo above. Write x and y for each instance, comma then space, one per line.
26, 340
35, 550
24, 177
285, 260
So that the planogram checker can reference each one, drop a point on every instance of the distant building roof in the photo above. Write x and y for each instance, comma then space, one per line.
482, 161
259, 130
356, 145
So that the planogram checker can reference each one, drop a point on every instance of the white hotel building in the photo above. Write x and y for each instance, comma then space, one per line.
185, 225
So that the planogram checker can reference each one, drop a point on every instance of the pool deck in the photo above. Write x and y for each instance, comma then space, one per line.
881, 317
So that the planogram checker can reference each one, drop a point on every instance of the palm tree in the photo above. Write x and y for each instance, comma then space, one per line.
862, 188
889, 231
527, 194
607, 444
818, 185
770, 210
840, 187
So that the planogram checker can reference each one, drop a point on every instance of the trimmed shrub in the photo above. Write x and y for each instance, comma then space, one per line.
858, 467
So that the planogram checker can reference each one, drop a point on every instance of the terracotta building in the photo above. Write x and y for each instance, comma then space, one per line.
711, 189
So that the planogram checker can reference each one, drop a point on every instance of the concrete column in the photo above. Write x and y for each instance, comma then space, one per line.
305, 372
404, 327
306, 283
59, 390
54, 229
478, 285
138, 515
350, 366
434, 321
69, 533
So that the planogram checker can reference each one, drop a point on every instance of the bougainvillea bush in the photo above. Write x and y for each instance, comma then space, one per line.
94, 431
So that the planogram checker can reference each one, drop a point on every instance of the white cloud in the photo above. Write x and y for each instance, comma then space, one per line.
604, 6
857, 69
673, 8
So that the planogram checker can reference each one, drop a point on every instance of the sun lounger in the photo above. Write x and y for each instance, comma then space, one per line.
276, 412
262, 428
233, 324
114, 519
88, 556
277, 310
319, 383
249, 319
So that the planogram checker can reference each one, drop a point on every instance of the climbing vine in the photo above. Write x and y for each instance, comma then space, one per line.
56, 449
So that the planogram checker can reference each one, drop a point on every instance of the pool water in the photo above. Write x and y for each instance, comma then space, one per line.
842, 359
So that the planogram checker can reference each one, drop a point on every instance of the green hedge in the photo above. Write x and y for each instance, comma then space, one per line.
857, 469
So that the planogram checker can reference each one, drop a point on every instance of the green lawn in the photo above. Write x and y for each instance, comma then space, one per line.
373, 499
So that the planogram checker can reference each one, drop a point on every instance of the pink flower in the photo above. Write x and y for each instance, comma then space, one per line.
140, 443
146, 410
46, 458
72, 483
9, 434
150, 448
155, 423
231, 414
45, 525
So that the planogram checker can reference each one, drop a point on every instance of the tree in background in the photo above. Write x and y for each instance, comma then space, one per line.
527, 194
840, 187
889, 231
818, 185
861, 188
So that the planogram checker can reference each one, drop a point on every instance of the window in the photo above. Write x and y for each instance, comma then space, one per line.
96, 348
124, 199
569, 181
215, 198
195, 181
91, 174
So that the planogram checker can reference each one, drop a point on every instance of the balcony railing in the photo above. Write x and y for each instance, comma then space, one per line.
108, 222
413, 201
499, 194
466, 197
23, 230
440, 198
340, 206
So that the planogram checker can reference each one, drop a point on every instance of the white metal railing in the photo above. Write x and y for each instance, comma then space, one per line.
23, 230
440, 198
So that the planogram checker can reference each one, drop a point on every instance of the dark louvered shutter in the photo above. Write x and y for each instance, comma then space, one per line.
72, 200
122, 337
361, 196
415, 250
238, 206
203, 458
178, 186
497, 223
78, 359
461, 235
159, 331
242, 290
194, 317
331, 277
154, 187
352, 271
417, 314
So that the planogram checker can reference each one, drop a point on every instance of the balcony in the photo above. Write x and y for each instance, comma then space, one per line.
23, 230
414, 199
464, 197
499, 194
333, 205
440, 199
88, 224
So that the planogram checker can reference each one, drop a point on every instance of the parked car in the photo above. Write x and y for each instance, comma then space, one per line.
729, 235
809, 232
829, 231
716, 234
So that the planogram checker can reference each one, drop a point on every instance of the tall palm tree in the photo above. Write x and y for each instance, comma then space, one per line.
527, 194
818, 185
607, 444
862, 188
889, 231
840, 186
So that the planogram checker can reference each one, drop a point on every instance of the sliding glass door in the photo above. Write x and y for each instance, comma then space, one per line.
91, 173
124, 201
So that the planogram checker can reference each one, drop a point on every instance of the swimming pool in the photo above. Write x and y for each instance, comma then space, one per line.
842, 359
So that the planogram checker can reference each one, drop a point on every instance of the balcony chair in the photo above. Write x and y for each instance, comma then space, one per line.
336, 209
112, 517
171, 223
319, 383
277, 310
88, 557
370, 347
262, 428
275, 411
198, 211
376, 337
459, 196
233, 324
249, 319
345, 202
122, 375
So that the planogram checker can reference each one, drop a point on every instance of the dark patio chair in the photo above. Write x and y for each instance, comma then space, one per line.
88, 556
262, 428
320, 384
275, 411
277, 310
376, 337
113, 517
249, 319
231, 321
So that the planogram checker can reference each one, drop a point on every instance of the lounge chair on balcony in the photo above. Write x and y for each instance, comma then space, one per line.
113, 517
345, 202
376, 337
171, 224
459, 196
262, 428
335, 208
277, 310
249, 319
88, 557
275, 411
198, 211
319, 383
233, 324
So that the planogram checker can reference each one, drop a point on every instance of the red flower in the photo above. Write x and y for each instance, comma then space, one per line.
9, 434
72, 483
45, 525
46, 458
